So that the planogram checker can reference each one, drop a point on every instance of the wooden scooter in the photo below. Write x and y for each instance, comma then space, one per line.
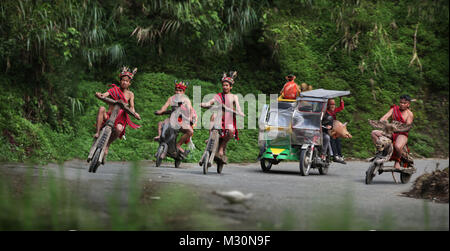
210, 154
385, 150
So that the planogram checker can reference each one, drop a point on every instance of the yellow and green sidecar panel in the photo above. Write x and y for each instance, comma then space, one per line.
280, 153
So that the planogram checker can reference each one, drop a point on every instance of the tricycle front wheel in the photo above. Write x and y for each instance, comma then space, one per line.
305, 162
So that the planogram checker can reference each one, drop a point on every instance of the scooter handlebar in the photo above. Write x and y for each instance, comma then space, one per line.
227, 109
122, 105
163, 113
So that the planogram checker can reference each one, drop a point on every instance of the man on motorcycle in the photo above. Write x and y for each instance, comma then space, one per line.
327, 124
228, 121
187, 111
402, 114
118, 93
336, 143
290, 90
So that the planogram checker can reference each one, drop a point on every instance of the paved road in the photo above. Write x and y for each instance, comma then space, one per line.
282, 198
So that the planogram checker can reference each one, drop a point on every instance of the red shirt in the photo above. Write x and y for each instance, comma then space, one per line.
336, 110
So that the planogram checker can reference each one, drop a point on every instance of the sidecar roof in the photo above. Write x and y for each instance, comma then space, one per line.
323, 94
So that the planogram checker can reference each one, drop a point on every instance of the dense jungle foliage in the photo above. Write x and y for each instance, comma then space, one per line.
55, 54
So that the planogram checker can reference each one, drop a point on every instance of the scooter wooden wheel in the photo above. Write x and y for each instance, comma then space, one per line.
219, 167
370, 173
205, 163
95, 162
160, 151
177, 162
405, 177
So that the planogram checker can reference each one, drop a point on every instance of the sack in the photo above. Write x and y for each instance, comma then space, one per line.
290, 90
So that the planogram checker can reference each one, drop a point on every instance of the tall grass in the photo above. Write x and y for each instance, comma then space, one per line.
41, 199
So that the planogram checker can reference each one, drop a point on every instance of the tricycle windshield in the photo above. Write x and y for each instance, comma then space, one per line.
306, 122
310, 106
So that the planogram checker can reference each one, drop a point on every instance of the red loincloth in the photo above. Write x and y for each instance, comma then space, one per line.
224, 131
397, 116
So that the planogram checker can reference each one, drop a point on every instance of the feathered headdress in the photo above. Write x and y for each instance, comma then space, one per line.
126, 72
230, 77
181, 85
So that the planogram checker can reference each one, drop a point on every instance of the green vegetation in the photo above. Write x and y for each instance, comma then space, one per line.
55, 55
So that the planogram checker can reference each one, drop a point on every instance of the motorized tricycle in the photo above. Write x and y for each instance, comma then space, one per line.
385, 152
292, 130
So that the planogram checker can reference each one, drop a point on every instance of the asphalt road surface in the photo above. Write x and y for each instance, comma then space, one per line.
282, 199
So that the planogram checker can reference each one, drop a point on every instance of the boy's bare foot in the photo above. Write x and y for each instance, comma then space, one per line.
156, 138
95, 135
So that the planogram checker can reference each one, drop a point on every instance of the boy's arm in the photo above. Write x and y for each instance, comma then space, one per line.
103, 95
132, 102
132, 106
238, 107
164, 107
387, 115
207, 104
191, 109
410, 119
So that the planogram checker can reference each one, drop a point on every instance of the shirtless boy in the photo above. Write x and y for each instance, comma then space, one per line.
230, 101
187, 111
402, 114
118, 93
